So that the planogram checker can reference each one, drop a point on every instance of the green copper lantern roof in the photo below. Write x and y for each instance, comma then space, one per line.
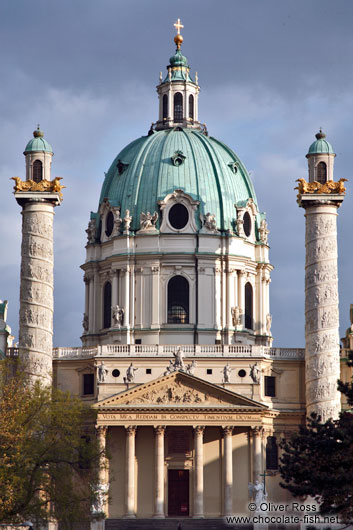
38, 143
320, 145
153, 166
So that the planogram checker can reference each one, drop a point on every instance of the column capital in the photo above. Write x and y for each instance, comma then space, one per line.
199, 429
228, 430
159, 429
256, 431
130, 430
101, 430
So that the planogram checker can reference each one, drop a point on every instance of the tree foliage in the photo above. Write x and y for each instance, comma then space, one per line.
49, 455
318, 460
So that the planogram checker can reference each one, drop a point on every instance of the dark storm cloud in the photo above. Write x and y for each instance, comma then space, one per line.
271, 73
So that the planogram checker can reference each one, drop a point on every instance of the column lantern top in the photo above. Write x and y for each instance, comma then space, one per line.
38, 143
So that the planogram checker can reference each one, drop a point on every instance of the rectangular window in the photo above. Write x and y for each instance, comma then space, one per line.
88, 384
148, 370
138, 341
209, 371
270, 386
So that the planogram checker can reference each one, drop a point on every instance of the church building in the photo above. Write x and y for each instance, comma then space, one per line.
192, 398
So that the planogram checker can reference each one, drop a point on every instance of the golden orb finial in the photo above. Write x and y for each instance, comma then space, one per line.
178, 39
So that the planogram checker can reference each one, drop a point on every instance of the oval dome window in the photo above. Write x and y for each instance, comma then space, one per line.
247, 224
178, 216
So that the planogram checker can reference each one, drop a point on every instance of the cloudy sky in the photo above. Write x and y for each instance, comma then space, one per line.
271, 73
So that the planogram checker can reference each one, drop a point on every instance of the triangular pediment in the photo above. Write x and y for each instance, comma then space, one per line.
182, 390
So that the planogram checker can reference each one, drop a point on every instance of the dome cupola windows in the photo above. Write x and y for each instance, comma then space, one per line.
178, 108
321, 175
107, 305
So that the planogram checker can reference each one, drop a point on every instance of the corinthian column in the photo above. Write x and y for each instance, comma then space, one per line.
257, 453
159, 472
198, 484
130, 473
228, 471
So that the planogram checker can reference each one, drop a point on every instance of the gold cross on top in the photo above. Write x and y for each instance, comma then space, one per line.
178, 25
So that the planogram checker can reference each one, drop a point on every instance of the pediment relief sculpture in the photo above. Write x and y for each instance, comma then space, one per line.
176, 393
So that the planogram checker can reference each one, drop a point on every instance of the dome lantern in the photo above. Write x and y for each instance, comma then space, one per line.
178, 92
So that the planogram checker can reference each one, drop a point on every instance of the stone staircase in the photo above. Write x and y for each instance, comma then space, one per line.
172, 524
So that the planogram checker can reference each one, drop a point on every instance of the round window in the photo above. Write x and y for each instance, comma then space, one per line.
242, 373
116, 372
178, 216
247, 224
109, 224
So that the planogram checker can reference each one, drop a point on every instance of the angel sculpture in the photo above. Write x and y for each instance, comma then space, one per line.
148, 221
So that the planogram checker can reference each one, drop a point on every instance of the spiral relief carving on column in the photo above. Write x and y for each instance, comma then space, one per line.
321, 312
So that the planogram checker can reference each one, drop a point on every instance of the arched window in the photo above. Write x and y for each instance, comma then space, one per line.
165, 106
191, 106
37, 171
178, 300
107, 305
271, 453
248, 306
178, 108
321, 173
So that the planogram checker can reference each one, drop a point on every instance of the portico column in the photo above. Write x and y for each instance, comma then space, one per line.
257, 453
130, 473
228, 471
198, 484
159, 472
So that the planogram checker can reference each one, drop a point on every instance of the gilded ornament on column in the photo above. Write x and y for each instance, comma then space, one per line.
43, 185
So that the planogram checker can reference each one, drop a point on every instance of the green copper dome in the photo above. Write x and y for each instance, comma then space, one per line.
38, 143
153, 166
320, 145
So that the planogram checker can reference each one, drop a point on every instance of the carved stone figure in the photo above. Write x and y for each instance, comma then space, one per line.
179, 359
130, 374
255, 373
236, 316
127, 221
85, 322
268, 323
170, 368
190, 368
101, 372
263, 231
240, 225
91, 231
117, 221
148, 221
227, 370
209, 222
117, 316
257, 490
